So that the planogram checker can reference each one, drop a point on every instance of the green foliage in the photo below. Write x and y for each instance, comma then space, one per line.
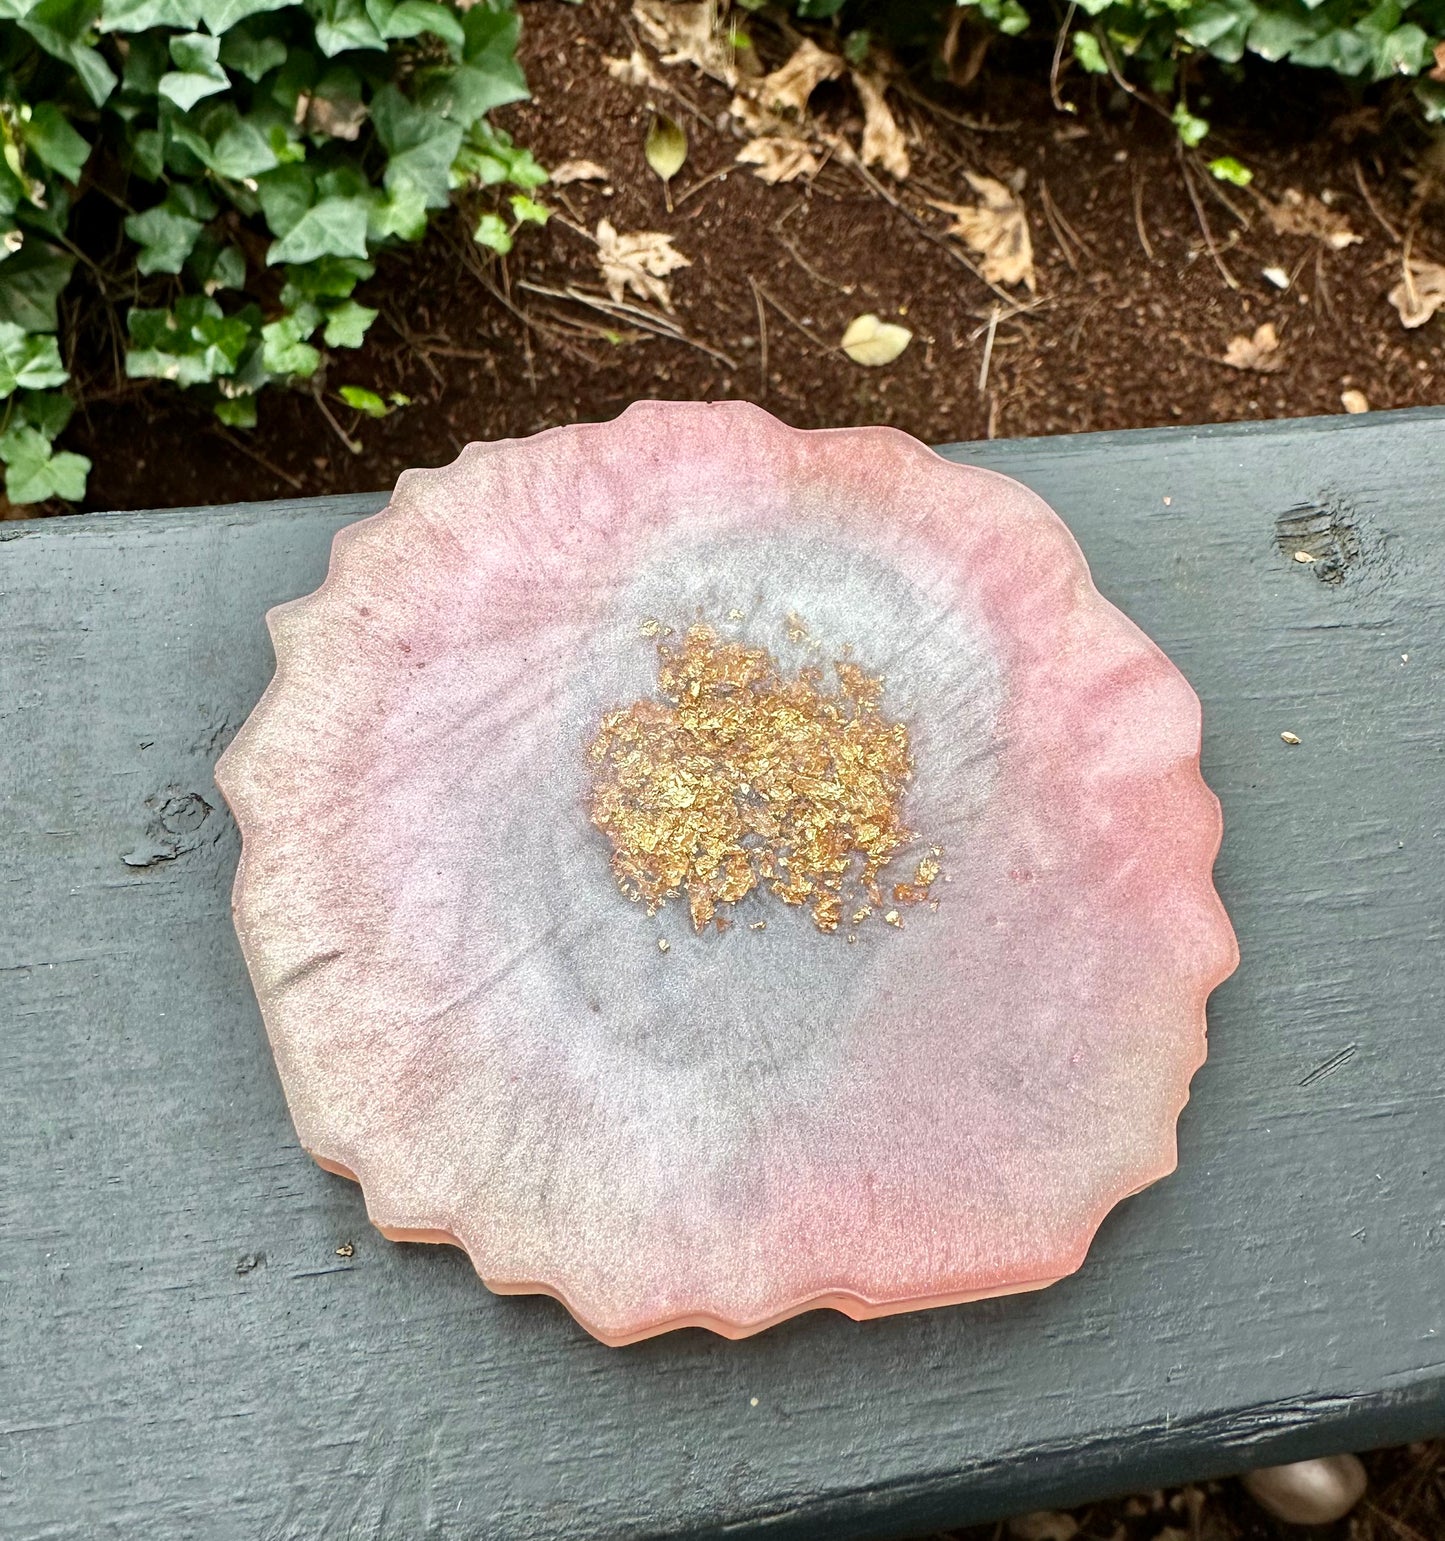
261, 153
1146, 41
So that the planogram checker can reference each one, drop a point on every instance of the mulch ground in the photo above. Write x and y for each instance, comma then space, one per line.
1146, 266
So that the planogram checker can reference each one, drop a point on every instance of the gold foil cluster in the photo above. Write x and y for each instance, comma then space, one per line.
740, 777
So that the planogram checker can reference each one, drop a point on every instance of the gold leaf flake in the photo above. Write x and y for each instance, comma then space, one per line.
737, 776
997, 229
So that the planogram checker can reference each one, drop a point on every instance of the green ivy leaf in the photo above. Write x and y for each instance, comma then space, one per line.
165, 236
34, 473
346, 324
285, 195
49, 411
1274, 35
197, 74
252, 53
193, 344
30, 285
221, 15
421, 147
528, 211
328, 278
285, 349
227, 144
28, 360
1225, 168
1189, 128
142, 15
237, 411
1221, 26
412, 18
1089, 54
63, 30
334, 227
492, 231
488, 75
54, 142
344, 24
364, 400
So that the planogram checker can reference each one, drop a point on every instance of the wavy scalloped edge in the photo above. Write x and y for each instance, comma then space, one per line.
847, 1301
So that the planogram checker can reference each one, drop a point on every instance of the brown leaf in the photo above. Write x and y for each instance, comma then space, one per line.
339, 117
779, 158
1300, 213
1045, 1525
997, 229
1260, 352
638, 261
883, 142
634, 70
1420, 293
787, 89
1438, 73
686, 32
578, 171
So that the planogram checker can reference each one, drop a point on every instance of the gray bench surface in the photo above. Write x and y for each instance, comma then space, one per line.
200, 1336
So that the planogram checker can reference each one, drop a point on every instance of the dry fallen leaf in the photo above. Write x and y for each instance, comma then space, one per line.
1438, 73
638, 261
578, 171
686, 32
1300, 213
872, 343
778, 158
634, 70
997, 229
788, 88
883, 143
1045, 1525
340, 117
1354, 401
1260, 352
1420, 293
666, 147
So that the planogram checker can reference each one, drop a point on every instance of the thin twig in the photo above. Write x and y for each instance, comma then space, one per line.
907, 89
1228, 277
1052, 216
1139, 218
352, 444
698, 186
987, 352
410, 341
928, 234
792, 320
762, 337
660, 325
1059, 104
294, 482
1370, 203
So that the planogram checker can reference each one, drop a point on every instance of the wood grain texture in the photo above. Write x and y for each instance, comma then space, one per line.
184, 1353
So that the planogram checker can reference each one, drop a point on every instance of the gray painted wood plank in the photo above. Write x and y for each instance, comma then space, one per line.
184, 1352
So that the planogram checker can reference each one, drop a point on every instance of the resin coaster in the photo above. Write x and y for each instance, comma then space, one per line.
709, 870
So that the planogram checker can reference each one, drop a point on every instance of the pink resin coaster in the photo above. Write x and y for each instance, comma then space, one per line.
663, 1128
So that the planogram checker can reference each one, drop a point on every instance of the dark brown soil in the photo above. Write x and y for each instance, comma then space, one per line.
1133, 317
